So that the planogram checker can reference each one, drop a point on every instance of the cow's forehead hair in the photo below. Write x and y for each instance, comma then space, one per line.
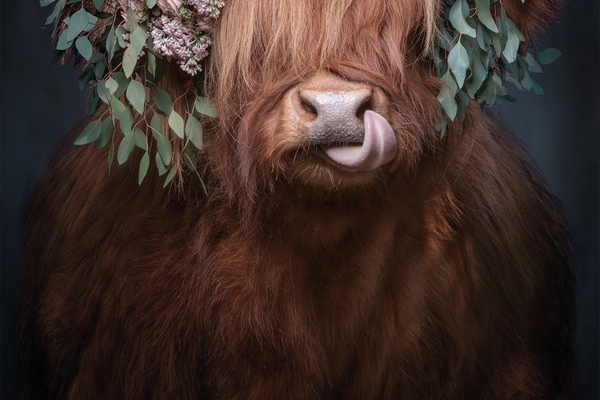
253, 35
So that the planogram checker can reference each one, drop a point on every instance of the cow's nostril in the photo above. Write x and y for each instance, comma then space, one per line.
309, 108
366, 105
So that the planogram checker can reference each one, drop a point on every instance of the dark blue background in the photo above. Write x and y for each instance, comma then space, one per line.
40, 102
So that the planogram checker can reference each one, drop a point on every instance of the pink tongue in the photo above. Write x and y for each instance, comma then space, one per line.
379, 146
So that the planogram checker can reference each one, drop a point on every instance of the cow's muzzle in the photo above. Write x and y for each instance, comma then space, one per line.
344, 119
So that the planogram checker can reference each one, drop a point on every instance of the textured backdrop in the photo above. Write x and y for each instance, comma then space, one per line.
40, 102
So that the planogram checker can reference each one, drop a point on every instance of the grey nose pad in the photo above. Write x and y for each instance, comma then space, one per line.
336, 115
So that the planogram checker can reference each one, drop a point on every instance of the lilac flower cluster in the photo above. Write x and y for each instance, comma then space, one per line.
183, 39
180, 28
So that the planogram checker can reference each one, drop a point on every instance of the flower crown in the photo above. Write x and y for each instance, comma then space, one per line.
123, 46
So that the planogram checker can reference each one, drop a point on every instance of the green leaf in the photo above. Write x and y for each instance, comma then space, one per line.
163, 101
116, 107
458, 61
446, 96
533, 64
205, 106
129, 61
138, 39
107, 131
77, 23
86, 76
189, 157
99, 4
484, 15
123, 82
488, 93
156, 124
548, 56
164, 147
99, 69
160, 165
457, 18
63, 42
512, 46
93, 103
111, 86
170, 176
194, 131
103, 92
119, 33
126, 121
478, 73
484, 39
125, 148
136, 95
90, 133
463, 102
84, 47
140, 139
57, 9
151, 63
176, 123
150, 3
111, 43
111, 156
45, 3
144, 164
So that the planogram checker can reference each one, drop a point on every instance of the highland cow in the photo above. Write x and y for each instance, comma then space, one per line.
399, 264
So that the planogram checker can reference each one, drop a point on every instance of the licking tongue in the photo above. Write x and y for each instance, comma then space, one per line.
378, 148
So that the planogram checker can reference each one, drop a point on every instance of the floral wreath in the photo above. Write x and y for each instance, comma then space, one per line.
123, 45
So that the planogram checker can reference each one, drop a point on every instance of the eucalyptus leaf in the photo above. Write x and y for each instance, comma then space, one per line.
160, 165
151, 63
111, 156
458, 61
99, 69
63, 41
170, 176
136, 94
125, 148
156, 124
205, 106
77, 23
84, 47
194, 131
457, 18
116, 107
512, 46
150, 3
176, 123
144, 164
534, 66
126, 121
446, 96
484, 15
57, 9
163, 101
164, 147
111, 86
129, 61
99, 4
138, 39
140, 139
106, 133
111, 43
548, 56
90, 133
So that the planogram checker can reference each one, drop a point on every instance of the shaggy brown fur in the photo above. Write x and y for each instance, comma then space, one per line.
443, 275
